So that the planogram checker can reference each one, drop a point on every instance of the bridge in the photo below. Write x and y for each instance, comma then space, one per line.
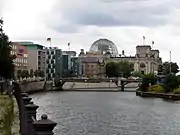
120, 83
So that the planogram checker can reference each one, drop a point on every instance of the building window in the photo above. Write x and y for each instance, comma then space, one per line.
25, 55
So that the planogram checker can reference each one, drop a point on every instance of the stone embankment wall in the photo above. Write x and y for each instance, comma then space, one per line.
81, 85
33, 87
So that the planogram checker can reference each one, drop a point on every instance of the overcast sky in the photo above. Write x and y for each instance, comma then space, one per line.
81, 22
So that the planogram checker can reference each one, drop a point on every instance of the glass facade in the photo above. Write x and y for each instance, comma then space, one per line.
104, 45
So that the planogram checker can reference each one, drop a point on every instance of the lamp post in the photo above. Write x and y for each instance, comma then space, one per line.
170, 62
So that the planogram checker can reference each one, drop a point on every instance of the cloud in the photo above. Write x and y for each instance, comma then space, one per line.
105, 13
81, 22
3, 4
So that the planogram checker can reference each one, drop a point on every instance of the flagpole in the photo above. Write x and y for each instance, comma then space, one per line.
69, 46
170, 61
50, 43
152, 44
143, 40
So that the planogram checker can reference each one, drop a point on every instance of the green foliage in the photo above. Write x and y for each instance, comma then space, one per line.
116, 69
22, 73
112, 69
41, 73
171, 82
164, 69
67, 73
137, 74
146, 80
25, 73
157, 89
6, 59
19, 72
31, 73
176, 91
36, 73
7, 116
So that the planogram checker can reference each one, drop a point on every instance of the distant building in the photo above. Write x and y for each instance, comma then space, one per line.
91, 64
75, 66
36, 56
146, 60
53, 62
21, 53
67, 55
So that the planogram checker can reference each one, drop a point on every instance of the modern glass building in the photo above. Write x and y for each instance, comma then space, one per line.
53, 62
75, 66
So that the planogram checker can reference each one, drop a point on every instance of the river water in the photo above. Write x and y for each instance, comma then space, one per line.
109, 113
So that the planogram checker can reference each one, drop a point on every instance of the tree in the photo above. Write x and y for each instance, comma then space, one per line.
41, 73
164, 69
25, 73
137, 74
112, 69
116, 69
6, 59
36, 73
146, 80
31, 73
66, 73
19, 73
126, 68
171, 82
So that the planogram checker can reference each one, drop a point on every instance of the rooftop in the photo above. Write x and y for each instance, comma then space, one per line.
143, 46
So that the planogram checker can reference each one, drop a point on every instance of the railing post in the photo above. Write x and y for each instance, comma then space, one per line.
30, 116
44, 126
122, 85
24, 94
27, 100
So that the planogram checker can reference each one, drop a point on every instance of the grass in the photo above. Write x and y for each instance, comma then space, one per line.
9, 120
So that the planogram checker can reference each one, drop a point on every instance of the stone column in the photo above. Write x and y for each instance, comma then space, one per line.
44, 126
30, 116
27, 100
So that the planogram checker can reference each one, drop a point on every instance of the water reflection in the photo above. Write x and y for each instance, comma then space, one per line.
105, 113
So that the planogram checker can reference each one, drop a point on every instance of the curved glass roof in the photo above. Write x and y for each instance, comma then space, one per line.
104, 45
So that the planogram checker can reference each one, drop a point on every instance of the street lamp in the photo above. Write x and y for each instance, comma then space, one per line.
110, 83
170, 61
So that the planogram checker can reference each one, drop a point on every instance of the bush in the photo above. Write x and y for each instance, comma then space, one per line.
177, 91
146, 80
171, 82
137, 74
157, 89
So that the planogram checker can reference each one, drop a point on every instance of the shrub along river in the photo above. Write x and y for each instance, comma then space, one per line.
109, 113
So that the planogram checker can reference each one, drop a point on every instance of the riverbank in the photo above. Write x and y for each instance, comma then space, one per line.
158, 95
9, 117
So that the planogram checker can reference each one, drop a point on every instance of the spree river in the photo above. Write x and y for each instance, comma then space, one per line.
109, 113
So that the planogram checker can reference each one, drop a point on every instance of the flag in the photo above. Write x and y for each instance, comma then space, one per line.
153, 42
49, 39
143, 37
20, 51
68, 44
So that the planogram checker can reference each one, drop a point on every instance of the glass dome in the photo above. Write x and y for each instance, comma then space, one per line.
104, 45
